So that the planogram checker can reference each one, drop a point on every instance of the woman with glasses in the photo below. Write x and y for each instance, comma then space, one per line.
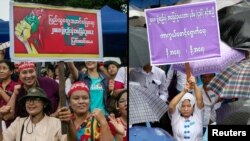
90, 126
185, 111
119, 125
38, 125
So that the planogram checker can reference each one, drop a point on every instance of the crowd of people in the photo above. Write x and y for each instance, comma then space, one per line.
95, 108
191, 107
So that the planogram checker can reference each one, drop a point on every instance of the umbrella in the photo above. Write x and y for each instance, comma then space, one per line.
138, 133
234, 24
136, 16
137, 21
135, 11
228, 57
148, 3
144, 105
138, 47
234, 81
219, 3
234, 113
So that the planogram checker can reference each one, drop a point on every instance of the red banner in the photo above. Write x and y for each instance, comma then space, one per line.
42, 32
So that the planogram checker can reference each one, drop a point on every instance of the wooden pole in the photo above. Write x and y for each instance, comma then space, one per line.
188, 71
62, 94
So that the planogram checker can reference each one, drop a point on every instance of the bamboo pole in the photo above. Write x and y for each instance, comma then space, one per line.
62, 94
188, 70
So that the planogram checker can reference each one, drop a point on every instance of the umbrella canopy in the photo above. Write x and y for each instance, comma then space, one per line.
136, 16
144, 105
234, 81
138, 133
234, 24
228, 57
148, 3
138, 47
137, 21
234, 113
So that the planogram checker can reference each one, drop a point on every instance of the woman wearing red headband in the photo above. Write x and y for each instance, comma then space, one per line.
96, 80
90, 126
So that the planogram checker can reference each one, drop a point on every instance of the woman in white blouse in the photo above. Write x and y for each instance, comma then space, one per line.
186, 113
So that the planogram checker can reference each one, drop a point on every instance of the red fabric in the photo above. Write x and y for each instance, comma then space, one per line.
9, 90
118, 85
26, 65
78, 86
112, 129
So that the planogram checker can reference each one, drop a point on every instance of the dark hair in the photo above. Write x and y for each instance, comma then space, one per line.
201, 76
207, 74
47, 107
119, 95
108, 63
9, 64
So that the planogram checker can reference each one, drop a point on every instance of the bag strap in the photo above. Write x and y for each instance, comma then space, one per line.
21, 136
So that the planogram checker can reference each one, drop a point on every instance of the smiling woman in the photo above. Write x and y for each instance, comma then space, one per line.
89, 125
29, 128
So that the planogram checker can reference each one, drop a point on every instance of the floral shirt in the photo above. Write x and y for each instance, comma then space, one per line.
84, 131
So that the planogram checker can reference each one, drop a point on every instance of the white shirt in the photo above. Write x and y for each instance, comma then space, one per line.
121, 76
156, 76
209, 106
187, 129
48, 129
181, 79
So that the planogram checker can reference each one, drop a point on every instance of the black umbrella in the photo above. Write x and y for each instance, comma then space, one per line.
234, 113
138, 47
234, 24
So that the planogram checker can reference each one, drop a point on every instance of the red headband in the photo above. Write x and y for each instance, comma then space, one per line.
26, 65
78, 86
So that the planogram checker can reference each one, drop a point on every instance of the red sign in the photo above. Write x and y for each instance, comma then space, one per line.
42, 32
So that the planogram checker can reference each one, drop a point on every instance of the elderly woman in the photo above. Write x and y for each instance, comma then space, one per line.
38, 125
186, 113
90, 126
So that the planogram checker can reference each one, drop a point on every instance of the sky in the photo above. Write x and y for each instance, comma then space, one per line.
4, 10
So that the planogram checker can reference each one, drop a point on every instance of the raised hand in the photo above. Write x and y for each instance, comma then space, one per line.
116, 122
16, 89
4, 110
97, 113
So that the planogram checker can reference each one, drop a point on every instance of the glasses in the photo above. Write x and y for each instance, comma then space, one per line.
123, 102
33, 100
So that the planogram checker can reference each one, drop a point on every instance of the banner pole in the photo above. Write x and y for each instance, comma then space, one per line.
62, 94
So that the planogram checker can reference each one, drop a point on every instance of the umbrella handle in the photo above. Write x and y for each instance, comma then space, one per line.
188, 71
148, 125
